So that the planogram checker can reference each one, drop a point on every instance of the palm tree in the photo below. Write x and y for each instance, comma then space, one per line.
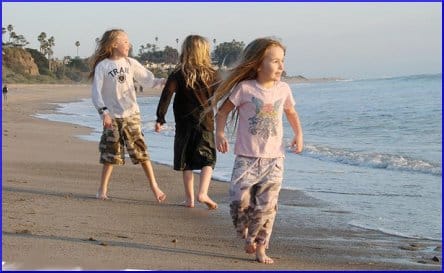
13, 36
155, 45
142, 49
3, 32
77, 45
10, 28
42, 39
50, 44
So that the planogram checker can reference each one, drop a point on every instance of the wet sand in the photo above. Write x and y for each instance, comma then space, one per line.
51, 219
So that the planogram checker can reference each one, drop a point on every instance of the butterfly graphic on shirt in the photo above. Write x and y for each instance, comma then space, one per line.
265, 120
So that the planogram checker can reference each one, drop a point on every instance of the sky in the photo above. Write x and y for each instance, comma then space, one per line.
347, 40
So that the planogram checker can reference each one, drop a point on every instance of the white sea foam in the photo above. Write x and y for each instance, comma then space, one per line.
373, 160
390, 231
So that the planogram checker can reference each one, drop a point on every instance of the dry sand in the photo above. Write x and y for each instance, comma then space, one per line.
51, 219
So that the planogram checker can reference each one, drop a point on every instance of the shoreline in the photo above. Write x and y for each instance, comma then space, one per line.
48, 203
301, 79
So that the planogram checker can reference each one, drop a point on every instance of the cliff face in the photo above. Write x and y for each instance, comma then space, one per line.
20, 61
30, 66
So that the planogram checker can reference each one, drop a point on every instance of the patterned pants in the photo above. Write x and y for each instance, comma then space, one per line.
125, 132
254, 192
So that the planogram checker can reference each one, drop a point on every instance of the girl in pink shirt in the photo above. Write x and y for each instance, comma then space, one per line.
254, 90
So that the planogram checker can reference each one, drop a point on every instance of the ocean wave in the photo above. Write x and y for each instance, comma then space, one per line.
407, 77
344, 80
383, 194
355, 223
372, 160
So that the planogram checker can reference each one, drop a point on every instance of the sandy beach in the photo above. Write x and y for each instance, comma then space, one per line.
51, 219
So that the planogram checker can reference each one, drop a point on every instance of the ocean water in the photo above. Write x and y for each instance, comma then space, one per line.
373, 149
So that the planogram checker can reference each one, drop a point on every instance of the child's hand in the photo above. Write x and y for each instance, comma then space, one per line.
107, 121
297, 144
221, 143
157, 127
160, 83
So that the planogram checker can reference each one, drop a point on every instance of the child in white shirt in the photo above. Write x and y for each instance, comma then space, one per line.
114, 97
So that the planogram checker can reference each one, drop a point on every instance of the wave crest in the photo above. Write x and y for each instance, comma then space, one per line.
372, 160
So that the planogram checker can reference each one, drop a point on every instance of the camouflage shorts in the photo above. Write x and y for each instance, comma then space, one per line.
125, 132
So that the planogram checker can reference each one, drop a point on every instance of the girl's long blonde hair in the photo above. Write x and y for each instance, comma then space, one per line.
195, 62
104, 48
246, 69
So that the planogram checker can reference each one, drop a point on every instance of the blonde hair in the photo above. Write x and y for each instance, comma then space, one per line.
250, 60
104, 48
195, 62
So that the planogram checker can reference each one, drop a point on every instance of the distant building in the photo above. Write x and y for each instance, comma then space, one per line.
162, 66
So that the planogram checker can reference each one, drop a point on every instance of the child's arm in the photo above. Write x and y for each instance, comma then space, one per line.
146, 77
96, 90
221, 120
97, 99
164, 102
293, 118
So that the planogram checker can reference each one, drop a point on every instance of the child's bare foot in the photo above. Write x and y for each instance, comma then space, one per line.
101, 196
160, 196
261, 257
188, 204
207, 201
264, 259
244, 233
250, 248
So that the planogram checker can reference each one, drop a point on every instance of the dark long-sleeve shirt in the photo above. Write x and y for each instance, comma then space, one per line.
188, 103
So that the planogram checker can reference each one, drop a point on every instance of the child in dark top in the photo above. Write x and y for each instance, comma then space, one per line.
194, 148
5, 93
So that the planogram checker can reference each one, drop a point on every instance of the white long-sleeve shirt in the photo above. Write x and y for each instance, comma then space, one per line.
113, 85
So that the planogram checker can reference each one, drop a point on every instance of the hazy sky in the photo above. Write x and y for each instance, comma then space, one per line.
349, 40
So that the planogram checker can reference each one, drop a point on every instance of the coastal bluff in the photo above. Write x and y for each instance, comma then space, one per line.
19, 61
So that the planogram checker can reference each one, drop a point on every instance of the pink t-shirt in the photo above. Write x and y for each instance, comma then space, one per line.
259, 130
